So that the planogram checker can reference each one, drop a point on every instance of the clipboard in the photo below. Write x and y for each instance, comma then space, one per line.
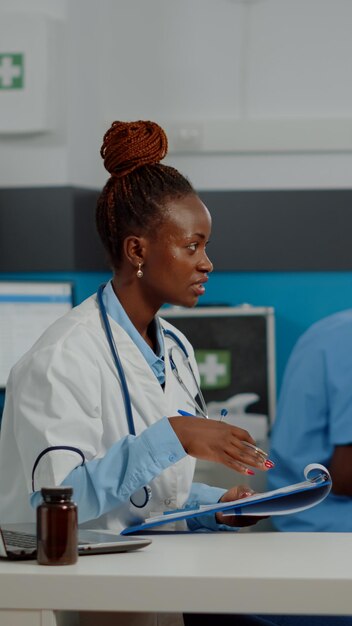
283, 501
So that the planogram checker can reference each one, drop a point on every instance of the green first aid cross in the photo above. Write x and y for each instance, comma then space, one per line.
11, 71
214, 368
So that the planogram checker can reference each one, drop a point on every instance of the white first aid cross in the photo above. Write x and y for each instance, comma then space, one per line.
10, 70
211, 369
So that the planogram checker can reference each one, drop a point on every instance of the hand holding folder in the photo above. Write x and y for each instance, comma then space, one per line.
282, 501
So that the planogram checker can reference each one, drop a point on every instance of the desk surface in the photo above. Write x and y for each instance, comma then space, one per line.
245, 573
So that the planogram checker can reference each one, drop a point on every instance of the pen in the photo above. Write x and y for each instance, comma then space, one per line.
185, 413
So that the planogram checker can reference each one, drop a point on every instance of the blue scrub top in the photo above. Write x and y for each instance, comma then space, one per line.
314, 415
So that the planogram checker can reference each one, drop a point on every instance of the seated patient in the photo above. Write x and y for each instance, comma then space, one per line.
314, 422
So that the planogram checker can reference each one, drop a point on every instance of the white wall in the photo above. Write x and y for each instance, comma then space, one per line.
253, 94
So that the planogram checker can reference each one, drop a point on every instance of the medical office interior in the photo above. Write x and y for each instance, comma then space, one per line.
256, 99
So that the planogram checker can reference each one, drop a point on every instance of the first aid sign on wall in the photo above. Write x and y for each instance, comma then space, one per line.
11, 71
24, 73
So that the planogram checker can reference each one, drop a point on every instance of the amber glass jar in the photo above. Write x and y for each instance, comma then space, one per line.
57, 527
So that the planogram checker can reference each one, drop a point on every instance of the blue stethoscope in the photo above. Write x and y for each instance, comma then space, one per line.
141, 497
200, 406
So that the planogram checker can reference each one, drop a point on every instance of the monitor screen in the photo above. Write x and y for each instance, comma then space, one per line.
235, 352
26, 310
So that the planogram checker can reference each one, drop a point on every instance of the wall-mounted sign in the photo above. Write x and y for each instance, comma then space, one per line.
11, 71
214, 368
26, 56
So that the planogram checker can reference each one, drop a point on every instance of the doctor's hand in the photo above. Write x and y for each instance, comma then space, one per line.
219, 442
238, 521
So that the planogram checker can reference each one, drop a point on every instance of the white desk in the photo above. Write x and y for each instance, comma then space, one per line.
243, 573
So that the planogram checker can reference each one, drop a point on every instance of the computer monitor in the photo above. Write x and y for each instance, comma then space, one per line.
27, 308
235, 351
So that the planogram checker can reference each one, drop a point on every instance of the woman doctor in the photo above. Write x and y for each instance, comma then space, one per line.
67, 419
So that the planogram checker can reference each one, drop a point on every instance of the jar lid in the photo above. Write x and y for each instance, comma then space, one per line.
60, 492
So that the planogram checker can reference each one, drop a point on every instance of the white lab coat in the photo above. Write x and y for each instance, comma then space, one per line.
66, 391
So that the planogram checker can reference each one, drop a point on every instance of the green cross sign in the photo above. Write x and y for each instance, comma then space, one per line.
11, 71
214, 368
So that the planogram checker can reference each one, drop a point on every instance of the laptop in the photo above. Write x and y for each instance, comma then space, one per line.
18, 542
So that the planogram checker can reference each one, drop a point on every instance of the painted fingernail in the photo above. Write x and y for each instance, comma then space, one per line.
269, 464
248, 471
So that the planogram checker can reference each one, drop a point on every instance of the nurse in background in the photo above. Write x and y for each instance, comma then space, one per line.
314, 423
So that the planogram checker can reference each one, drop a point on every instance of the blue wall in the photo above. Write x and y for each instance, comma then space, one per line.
299, 298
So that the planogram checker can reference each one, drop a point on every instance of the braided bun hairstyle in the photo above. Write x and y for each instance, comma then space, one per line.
134, 198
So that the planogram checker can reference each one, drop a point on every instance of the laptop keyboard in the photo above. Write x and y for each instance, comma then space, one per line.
20, 540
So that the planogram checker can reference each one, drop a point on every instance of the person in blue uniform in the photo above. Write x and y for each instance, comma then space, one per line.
314, 423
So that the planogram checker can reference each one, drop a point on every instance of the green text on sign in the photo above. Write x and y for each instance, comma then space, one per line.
11, 71
214, 368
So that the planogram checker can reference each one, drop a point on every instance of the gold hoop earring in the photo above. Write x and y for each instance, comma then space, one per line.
139, 271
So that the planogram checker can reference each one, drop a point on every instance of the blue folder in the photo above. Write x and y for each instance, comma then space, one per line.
282, 501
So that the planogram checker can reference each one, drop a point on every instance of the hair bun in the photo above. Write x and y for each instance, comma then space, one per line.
128, 145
